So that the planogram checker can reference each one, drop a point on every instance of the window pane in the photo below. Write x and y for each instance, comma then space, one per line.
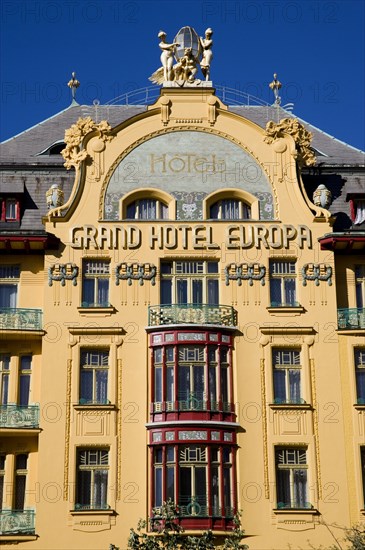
199, 382
200, 485
184, 382
169, 384
166, 291
359, 295
214, 211
185, 484
170, 479
158, 486
212, 384
88, 290
283, 488
24, 386
289, 285
197, 291
84, 488
227, 487
131, 211
213, 298
103, 292
279, 386
275, 291
8, 295
300, 488
19, 492
86, 386
215, 490
4, 389
360, 386
101, 386
100, 488
164, 211
182, 291
224, 385
294, 385
158, 384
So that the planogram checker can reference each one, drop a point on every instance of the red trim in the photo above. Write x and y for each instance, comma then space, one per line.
352, 210
329, 243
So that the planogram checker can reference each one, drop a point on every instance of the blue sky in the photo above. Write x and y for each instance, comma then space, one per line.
316, 47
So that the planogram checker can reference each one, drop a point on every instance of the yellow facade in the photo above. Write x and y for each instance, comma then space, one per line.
285, 414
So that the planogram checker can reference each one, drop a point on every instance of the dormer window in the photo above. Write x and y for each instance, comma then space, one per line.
357, 207
10, 211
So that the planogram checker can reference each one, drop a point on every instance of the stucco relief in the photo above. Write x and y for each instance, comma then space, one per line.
189, 165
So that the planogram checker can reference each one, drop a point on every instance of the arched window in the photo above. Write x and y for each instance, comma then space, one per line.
230, 209
147, 209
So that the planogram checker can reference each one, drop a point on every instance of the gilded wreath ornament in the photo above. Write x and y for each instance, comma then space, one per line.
301, 136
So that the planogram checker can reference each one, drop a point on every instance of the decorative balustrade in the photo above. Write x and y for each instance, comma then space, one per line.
192, 403
20, 318
351, 318
198, 314
15, 416
13, 522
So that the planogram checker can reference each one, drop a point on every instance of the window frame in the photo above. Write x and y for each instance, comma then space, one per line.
98, 279
4, 217
186, 281
283, 277
291, 485
232, 193
148, 193
4, 378
285, 368
94, 369
81, 484
360, 286
9, 278
359, 361
244, 210
160, 207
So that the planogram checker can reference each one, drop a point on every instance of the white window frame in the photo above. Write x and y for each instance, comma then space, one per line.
283, 271
294, 461
244, 210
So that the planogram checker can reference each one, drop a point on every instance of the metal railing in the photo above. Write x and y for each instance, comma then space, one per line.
16, 416
294, 506
20, 318
198, 314
192, 403
350, 318
14, 522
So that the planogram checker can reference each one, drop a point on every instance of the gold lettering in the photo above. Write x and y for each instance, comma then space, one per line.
261, 233
290, 234
170, 236
158, 159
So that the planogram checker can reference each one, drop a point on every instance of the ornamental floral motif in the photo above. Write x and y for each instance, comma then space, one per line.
73, 153
317, 272
135, 272
63, 273
245, 272
301, 136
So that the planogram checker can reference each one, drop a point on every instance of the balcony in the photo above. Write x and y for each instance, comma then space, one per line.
17, 522
20, 318
196, 314
15, 416
353, 318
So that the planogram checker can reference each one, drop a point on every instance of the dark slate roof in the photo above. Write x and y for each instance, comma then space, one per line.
39, 138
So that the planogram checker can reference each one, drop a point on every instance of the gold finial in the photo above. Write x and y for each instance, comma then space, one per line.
73, 84
275, 85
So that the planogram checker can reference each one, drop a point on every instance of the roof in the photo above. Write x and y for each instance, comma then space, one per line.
35, 140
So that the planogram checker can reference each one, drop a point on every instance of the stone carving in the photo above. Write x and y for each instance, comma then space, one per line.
135, 272
322, 196
73, 153
275, 85
317, 272
54, 196
206, 44
63, 273
189, 51
301, 136
245, 272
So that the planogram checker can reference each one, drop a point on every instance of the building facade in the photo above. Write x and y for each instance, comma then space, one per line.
182, 316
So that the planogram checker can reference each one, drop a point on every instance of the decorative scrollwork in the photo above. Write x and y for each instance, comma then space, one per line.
73, 154
243, 272
63, 273
301, 136
135, 272
316, 272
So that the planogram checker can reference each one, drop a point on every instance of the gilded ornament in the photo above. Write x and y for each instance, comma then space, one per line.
301, 136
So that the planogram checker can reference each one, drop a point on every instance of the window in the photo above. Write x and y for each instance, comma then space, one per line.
360, 375
291, 478
95, 283
286, 375
4, 378
92, 479
194, 377
21, 462
185, 282
24, 380
282, 283
9, 278
147, 209
94, 365
203, 475
2, 479
10, 211
358, 214
230, 209
362, 461
360, 286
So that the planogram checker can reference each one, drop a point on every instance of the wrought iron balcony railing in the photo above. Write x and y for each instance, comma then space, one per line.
198, 314
13, 522
15, 416
351, 318
20, 318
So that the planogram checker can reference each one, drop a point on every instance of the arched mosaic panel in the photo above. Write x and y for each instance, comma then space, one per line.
189, 165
